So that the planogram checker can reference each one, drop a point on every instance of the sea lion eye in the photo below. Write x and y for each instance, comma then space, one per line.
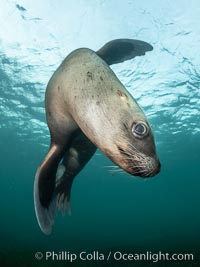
140, 129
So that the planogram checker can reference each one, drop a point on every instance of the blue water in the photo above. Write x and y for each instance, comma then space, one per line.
110, 211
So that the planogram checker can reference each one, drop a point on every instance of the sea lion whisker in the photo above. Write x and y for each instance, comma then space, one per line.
133, 154
136, 152
134, 147
116, 171
111, 166
134, 159
136, 166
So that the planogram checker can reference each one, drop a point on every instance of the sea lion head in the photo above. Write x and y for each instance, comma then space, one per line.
126, 135
133, 148
136, 146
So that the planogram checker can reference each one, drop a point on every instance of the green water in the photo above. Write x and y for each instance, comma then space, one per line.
110, 211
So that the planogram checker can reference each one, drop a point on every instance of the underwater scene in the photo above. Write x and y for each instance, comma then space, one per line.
115, 217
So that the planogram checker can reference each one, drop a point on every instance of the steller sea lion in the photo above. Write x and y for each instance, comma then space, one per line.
88, 107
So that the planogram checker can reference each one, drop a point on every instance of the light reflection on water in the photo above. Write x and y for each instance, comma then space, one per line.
34, 38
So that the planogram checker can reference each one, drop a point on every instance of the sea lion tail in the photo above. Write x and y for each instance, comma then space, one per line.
45, 216
44, 189
120, 50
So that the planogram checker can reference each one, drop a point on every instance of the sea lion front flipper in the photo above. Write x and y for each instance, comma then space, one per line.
44, 185
120, 50
79, 153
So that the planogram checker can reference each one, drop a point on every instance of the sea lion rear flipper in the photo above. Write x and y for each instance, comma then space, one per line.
120, 50
78, 155
44, 186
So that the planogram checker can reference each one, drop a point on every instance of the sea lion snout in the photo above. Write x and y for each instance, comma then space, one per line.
137, 162
147, 171
155, 172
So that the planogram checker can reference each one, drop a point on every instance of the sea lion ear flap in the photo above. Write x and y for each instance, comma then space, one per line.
120, 50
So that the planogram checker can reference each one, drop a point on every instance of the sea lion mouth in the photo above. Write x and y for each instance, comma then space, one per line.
138, 164
146, 174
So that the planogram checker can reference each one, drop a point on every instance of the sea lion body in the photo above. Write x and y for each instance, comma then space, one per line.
88, 107
86, 89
